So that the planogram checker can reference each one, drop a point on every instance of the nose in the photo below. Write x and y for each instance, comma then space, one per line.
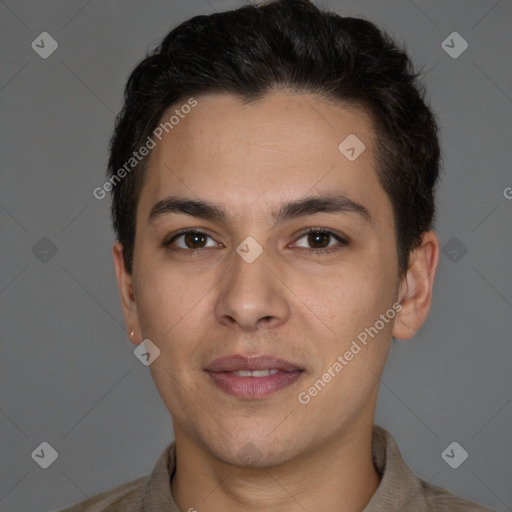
252, 296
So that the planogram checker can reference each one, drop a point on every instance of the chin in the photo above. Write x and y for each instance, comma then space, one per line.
255, 450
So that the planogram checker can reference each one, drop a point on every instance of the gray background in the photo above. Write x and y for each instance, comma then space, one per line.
68, 374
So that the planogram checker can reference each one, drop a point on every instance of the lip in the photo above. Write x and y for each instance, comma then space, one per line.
220, 371
250, 363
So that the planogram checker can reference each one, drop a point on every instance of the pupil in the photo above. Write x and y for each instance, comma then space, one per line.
194, 238
316, 238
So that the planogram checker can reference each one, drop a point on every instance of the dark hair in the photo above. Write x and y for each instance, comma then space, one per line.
253, 50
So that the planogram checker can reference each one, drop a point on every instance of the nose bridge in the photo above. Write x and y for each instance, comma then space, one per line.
251, 292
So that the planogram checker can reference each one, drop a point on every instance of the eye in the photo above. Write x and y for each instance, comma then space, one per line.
318, 240
322, 240
189, 241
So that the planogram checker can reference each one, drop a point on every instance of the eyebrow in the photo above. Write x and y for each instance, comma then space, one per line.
335, 203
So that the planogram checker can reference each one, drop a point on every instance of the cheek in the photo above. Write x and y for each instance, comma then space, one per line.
350, 300
170, 302
351, 359
175, 312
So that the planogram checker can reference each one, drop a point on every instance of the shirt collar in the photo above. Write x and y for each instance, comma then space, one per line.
400, 489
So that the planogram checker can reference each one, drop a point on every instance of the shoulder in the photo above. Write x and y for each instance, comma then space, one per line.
151, 492
401, 489
441, 500
125, 498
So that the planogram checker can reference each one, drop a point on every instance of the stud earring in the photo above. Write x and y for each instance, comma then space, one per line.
132, 333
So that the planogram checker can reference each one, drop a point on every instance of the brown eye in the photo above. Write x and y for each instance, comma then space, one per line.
319, 239
190, 241
194, 240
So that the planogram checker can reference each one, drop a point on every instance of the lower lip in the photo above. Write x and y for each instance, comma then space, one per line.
253, 387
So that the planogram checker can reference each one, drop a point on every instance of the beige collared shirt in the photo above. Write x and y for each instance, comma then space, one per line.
399, 490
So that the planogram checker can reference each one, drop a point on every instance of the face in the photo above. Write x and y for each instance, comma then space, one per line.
235, 275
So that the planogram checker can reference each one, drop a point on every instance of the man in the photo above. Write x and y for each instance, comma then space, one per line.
272, 173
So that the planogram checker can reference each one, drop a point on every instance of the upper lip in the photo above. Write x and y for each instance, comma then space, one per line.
250, 363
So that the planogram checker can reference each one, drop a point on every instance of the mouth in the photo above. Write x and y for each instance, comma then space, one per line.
252, 377
255, 373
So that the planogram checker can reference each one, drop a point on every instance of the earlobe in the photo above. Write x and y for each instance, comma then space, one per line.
125, 285
415, 295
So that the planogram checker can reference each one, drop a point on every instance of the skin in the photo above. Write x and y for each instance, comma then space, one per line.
291, 303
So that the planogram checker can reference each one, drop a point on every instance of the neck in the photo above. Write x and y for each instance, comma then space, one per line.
339, 475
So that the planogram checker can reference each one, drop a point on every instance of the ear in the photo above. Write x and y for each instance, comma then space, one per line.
415, 290
125, 285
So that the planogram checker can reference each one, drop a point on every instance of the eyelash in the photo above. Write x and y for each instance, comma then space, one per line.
342, 241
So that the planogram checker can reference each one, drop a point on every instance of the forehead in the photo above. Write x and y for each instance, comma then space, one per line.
251, 157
